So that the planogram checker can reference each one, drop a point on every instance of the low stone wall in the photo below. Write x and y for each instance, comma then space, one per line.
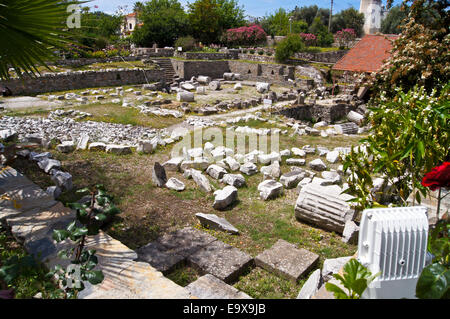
256, 58
154, 52
64, 81
188, 69
318, 112
262, 72
203, 55
325, 57
87, 61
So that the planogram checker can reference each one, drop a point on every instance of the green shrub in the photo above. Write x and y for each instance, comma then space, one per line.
98, 55
187, 43
252, 51
111, 53
260, 52
244, 51
286, 48
125, 53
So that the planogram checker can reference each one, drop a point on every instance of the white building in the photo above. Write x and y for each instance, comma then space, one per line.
130, 23
374, 12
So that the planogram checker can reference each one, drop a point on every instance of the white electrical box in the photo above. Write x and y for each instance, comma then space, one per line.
393, 241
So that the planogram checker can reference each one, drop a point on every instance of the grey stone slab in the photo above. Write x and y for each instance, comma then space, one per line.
215, 222
186, 241
159, 257
221, 260
311, 286
287, 260
210, 287
28, 198
10, 180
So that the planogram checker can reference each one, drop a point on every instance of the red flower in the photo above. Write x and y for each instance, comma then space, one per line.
438, 177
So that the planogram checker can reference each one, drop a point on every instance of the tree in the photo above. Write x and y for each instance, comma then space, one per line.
306, 14
163, 22
210, 18
420, 56
348, 19
391, 24
324, 38
286, 48
278, 24
30, 32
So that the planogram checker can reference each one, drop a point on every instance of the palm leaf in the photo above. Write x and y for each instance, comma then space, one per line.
31, 32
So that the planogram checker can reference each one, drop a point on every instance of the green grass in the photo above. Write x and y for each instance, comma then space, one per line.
30, 281
183, 275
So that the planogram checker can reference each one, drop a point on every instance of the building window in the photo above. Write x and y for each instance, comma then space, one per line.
131, 26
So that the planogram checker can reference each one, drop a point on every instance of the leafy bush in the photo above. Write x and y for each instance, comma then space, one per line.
309, 39
187, 43
112, 53
356, 279
98, 55
286, 48
251, 51
125, 53
409, 135
250, 35
260, 52
344, 37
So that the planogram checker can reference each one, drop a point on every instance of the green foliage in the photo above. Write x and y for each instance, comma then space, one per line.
410, 135
434, 281
210, 18
355, 279
348, 19
98, 55
324, 38
92, 217
187, 43
420, 55
305, 13
286, 48
391, 24
278, 24
31, 31
15, 266
163, 22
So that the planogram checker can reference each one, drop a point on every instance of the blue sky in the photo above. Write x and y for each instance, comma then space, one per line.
255, 8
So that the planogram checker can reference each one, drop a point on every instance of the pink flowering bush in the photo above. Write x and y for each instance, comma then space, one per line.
252, 34
309, 39
345, 37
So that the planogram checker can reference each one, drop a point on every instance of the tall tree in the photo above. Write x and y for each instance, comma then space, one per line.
306, 14
210, 18
348, 19
163, 22
391, 24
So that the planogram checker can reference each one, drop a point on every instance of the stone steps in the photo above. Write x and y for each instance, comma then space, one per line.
168, 68
32, 223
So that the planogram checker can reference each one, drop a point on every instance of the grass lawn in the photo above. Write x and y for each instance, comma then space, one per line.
149, 212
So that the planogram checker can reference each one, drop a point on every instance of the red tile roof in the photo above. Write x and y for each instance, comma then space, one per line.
131, 14
368, 54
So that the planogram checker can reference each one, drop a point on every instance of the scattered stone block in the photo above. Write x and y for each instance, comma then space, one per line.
201, 180
355, 117
145, 147
118, 149
286, 260
296, 161
333, 157
221, 260
270, 189
66, 147
186, 241
159, 177
291, 179
225, 197
214, 85
324, 206
298, 152
175, 184
63, 180
311, 286
317, 165
215, 171
249, 168
214, 222
350, 233
272, 171
232, 163
159, 257
97, 146
185, 97
236, 180
333, 266
210, 287
173, 165
262, 87
83, 142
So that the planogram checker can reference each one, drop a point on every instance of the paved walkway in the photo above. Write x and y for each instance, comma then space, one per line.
33, 222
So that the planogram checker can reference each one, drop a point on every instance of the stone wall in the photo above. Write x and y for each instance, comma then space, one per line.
318, 112
188, 69
324, 57
64, 81
262, 72
154, 52
204, 55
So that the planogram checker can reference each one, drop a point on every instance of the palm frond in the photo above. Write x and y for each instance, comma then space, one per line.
31, 31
